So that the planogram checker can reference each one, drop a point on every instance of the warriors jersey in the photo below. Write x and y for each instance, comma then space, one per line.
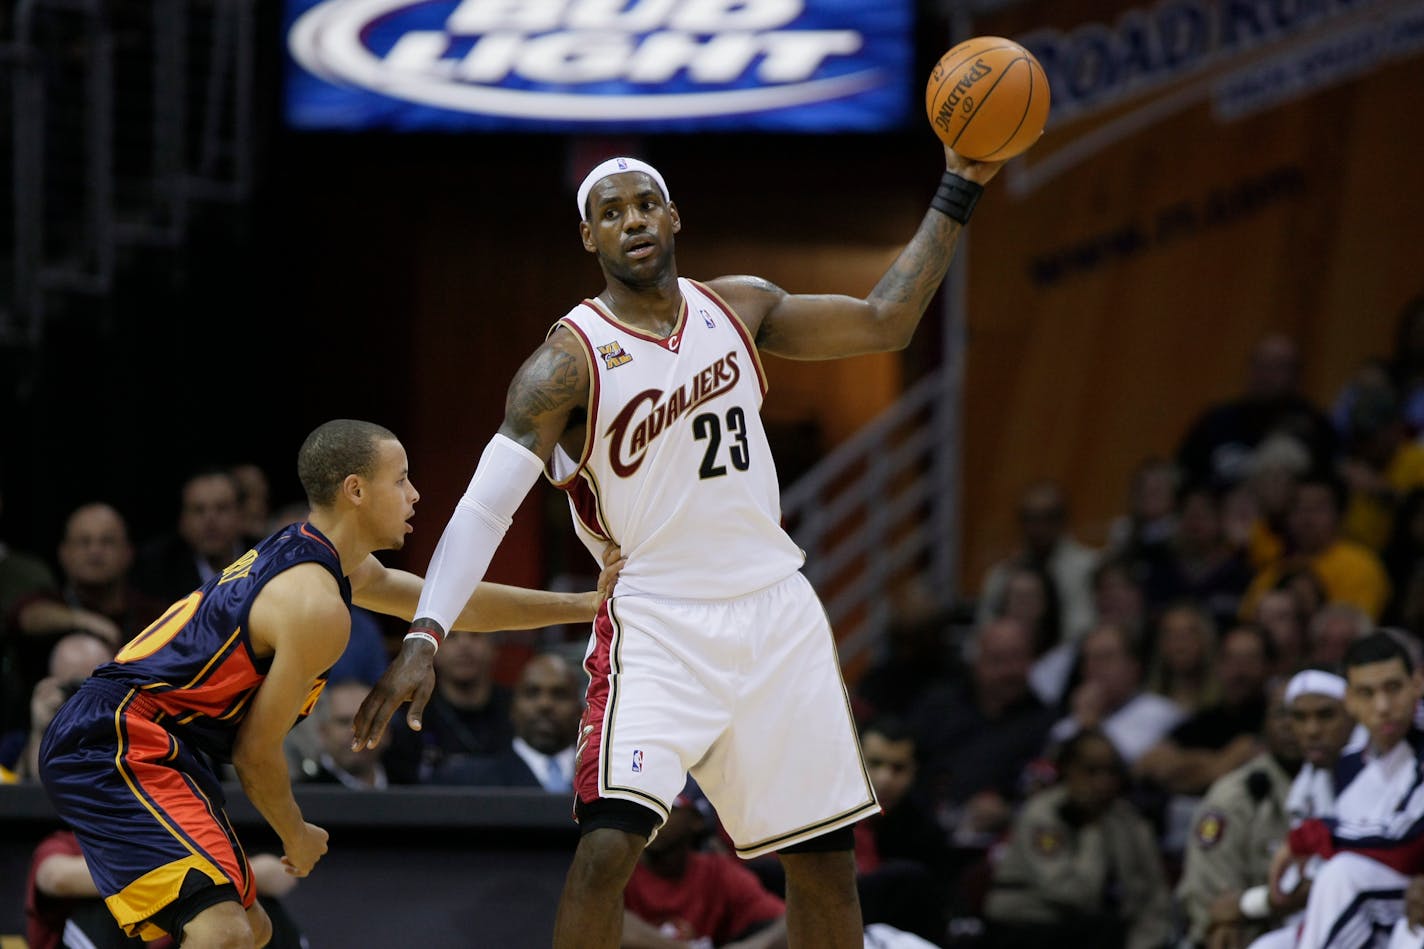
675, 467
196, 664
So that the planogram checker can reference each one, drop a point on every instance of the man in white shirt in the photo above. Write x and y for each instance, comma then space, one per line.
1111, 698
1375, 839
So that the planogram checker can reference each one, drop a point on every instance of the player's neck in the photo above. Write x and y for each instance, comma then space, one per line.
654, 308
351, 547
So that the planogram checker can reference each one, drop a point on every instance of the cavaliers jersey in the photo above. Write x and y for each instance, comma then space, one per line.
675, 467
195, 663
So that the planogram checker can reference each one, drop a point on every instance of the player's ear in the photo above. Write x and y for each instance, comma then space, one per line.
676, 217
586, 234
352, 488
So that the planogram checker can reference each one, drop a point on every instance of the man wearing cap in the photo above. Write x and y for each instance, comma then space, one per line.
643, 404
1375, 838
1237, 827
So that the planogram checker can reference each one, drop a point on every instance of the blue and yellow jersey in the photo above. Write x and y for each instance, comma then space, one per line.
195, 662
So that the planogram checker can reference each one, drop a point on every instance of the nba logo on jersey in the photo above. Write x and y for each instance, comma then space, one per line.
613, 354
707, 318
637, 760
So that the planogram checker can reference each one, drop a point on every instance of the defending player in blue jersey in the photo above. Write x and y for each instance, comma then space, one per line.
222, 676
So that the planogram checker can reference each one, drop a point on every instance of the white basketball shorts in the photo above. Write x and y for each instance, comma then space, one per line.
746, 694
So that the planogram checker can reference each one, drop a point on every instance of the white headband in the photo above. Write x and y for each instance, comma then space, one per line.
1315, 682
616, 166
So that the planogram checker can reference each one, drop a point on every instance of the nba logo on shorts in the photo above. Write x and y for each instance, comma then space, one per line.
637, 760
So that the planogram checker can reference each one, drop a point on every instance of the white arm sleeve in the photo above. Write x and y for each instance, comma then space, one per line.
506, 472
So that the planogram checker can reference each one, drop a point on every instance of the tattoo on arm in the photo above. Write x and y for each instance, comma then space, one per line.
544, 392
921, 266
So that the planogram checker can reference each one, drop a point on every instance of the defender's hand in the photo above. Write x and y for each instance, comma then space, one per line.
613, 562
304, 850
411, 676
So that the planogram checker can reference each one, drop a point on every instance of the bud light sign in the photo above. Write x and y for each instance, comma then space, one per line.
599, 65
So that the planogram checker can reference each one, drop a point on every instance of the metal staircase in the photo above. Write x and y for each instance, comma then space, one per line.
121, 115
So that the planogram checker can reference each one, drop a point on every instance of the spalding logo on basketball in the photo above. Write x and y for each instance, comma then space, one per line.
988, 98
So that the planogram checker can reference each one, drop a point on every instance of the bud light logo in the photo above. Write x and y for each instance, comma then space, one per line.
589, 65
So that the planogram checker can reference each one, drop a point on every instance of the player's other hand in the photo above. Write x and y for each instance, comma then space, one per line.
979, 172
613, 562
410, 677
303, 850
1414, 903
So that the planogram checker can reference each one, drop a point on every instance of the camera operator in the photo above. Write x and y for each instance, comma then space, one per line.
70, 662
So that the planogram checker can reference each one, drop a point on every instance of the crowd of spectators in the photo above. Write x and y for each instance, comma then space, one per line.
1042, 763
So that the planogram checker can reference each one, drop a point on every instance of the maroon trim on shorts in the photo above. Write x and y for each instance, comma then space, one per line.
599, 666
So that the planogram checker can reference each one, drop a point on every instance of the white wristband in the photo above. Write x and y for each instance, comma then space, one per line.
422, 634
1256, 902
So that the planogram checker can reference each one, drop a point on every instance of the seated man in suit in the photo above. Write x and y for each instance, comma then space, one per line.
545, 712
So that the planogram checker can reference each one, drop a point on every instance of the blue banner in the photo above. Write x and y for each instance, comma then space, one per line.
599, 65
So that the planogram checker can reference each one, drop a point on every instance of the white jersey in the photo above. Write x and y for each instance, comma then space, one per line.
676, 469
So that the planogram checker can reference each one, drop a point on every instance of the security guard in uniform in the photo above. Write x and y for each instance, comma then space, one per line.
1237, 828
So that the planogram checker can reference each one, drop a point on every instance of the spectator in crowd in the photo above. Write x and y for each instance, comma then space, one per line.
1284, 618
1380, 468
1349, 572
1080, 867
681, 896
1118, 596
1218, 445
468, 713
1110, 697
1031, 598
1221, 737
1200, 563
1043, 520
207, 539
1406, 366
1183, 660
1404, 562
336, 762
1238, 826
63, 908
254, 501
1143, 534
1332, 630
22, 575
974, 739
913, 662
544, 714
901, 855
70, 662
95, 556
1371, 845
1274, 468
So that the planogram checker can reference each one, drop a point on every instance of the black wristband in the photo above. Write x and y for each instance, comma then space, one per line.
956, 197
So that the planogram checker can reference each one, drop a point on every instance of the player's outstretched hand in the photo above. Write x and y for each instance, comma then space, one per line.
304, 850
411, 676
979, 172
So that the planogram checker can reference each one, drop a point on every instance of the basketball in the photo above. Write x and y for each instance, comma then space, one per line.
987, 98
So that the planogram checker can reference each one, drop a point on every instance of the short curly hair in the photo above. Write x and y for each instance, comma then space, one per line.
334, 450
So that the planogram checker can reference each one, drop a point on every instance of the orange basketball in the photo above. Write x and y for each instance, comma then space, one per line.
987, 98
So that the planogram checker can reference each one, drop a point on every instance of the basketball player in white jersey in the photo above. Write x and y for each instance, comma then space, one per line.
714, 655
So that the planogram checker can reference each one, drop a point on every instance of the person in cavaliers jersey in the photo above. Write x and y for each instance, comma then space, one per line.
222, 676
643, 403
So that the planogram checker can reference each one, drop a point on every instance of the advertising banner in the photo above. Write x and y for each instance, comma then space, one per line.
599, 65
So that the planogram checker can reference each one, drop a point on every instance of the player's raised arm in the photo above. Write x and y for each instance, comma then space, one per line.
829, 326
300, 616
546, 390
